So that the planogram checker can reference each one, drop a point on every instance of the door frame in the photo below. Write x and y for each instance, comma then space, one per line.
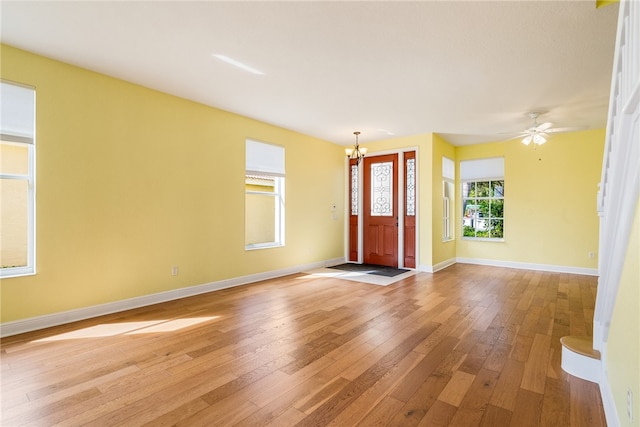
401, 205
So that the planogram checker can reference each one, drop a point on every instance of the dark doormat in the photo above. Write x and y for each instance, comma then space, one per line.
378, 270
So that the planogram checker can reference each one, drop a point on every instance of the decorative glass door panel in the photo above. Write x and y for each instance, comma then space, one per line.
382, 189
354, 202
410, 210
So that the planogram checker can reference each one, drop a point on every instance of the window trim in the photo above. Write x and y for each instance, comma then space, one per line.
278, 194
30, 268
18, 126
462, 205
448, 179
267, 160
448, 223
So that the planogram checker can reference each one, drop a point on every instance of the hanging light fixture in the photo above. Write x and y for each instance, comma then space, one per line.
536, 133
357, 152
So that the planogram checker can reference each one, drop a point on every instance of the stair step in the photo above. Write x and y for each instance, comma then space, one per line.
580, 345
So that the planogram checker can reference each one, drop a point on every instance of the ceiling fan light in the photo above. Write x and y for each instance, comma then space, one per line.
527, 140
539, 139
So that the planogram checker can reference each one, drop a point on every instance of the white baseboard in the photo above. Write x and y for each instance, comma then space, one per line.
608, 404
425, 268
55, 319
437, 267
508, 264
530, 266
444, 264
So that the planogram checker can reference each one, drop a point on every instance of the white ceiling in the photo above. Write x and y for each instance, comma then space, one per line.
469, 70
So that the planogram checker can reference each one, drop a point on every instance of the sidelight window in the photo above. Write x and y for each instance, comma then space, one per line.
448, 177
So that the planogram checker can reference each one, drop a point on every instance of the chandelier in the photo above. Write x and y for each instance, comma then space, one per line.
356, 152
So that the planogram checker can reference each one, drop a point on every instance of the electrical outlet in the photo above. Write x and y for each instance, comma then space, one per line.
592, 255
630, 404
174, 270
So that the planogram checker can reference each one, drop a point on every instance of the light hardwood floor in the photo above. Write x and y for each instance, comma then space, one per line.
467, 346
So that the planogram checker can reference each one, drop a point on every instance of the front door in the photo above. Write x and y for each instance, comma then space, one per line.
380, 210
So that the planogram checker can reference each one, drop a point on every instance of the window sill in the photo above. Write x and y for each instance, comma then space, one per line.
263, 246
483, 239
9, 273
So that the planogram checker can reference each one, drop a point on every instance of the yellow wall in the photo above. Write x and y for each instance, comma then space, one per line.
550, 200
130, 183
623, 345
442, 251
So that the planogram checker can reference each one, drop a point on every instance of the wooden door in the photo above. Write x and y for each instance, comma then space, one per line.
380, 210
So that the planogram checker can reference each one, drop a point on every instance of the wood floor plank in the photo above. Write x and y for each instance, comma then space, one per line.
367, 401
535, 368
555, 410
589, 413
174, 416
286, 395
457, 388
480, 391
469, 345
419, 404
495, 416
506, 391
440, 414
290, 417
381, 415
333, 407
527, 409
312, 402
126, 403
424, 369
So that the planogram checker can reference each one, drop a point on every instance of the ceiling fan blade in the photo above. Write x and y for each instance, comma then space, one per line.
544, 126
567, 129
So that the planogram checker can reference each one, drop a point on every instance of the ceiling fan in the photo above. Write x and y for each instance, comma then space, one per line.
539, 133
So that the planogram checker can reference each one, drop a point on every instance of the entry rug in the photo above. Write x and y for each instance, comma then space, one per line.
378, 270
361, 276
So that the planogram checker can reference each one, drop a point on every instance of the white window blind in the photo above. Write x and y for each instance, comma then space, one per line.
482, 169
448, 168
264, 158
17, 107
